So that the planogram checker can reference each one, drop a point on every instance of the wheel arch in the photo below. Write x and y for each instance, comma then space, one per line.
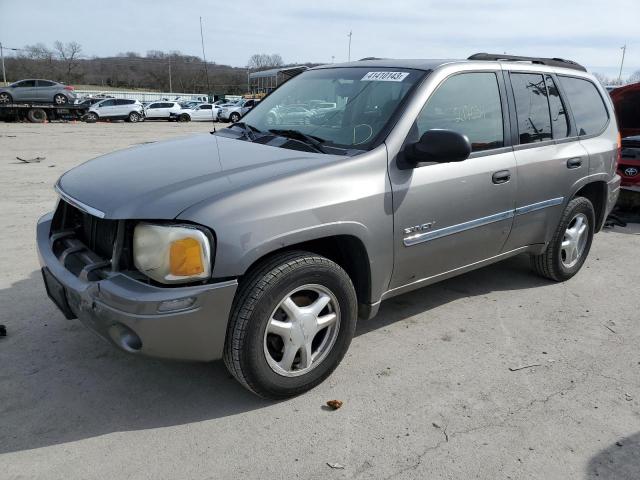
596, 192
346, 250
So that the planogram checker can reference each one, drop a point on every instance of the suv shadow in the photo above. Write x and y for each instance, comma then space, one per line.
620, 461
60, 383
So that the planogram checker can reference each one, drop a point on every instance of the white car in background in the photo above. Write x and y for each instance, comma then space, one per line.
115, 109
161, 110
205, 112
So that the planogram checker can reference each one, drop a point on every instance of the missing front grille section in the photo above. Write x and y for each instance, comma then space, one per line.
88, 245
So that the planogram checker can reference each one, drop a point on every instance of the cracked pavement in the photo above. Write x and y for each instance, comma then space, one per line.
426, 385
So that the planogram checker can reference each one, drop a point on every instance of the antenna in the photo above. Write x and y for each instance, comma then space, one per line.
206, 70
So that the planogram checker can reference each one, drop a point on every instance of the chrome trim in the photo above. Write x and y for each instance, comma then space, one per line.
78, 204
461, 227
480, 222
539, 206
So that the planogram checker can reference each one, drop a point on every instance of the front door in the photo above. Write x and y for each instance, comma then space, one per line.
450, 215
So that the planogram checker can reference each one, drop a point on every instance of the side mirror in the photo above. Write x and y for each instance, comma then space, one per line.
439, 146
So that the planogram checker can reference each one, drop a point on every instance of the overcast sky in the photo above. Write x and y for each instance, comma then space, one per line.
588, 31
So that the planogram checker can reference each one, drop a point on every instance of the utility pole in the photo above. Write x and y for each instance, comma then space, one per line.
624, 50
4, 75
204, 57
332, 58
170, 88
350, 35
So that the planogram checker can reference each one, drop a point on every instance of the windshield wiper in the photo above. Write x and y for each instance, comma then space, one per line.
249, 130
312, 140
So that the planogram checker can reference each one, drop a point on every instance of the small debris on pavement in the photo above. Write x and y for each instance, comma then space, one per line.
31, 160
522, 367
3, 331
610, 329
628, 397
334, 404
435, 425
337, 466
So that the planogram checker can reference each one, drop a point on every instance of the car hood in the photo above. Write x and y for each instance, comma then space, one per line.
160, 180
626, 101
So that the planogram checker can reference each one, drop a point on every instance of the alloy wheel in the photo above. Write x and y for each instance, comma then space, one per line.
302, 330
574, 240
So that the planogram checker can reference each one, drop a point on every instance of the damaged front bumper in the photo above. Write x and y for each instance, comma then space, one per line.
185, 323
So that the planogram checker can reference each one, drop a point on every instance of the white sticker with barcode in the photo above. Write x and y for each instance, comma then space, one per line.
385, 76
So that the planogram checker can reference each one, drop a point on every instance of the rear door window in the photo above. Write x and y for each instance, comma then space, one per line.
467, 103
587, 105
45, 83
532, 107
559, 119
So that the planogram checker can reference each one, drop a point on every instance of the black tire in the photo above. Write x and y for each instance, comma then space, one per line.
134, 117
90, 117
184, 118
60, 99
234, 117
37, 115
550, 263
259, 294
5, 98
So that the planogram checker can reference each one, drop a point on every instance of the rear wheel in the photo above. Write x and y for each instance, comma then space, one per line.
234, 117
37, 115
5, 98
134, 117
571, 242
292, 322
184, 118
60, 99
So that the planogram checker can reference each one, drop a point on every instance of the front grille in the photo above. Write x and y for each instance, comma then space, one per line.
86, 245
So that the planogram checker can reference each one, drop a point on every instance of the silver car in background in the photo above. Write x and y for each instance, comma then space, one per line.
37, 90
233, 113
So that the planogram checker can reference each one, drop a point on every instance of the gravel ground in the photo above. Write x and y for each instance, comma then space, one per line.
427, 385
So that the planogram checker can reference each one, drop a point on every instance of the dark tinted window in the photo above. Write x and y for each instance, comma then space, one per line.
154, 105
468, 103
107, 103
628, 109
122, 101
25, 84
587, 105
559, 120
205, 107
532, 107
45, 83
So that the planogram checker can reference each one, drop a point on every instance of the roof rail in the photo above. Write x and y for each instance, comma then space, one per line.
552, 62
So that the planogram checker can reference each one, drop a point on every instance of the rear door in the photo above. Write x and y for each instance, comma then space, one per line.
45, 90
450, 215
549, 157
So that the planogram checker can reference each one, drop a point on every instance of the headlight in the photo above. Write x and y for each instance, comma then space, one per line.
171, 253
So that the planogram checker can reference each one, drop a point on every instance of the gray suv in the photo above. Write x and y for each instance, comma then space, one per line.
264, 246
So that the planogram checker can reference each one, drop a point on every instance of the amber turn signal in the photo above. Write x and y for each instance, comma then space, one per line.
185, 257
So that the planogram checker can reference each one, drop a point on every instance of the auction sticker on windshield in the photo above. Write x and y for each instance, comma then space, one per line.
385, 76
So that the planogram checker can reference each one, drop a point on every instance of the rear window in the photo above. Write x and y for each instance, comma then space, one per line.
586, 103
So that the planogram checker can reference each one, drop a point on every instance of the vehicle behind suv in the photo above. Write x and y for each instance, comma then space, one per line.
116, 109
233, 113
161, 110
37, 90
626, 101
266, 245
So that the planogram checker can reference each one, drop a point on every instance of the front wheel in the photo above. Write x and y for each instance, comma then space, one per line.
292, 322
571, 242
235, 117
5, 98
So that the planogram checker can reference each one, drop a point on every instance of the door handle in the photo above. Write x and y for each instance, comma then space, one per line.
503, 176
575, 162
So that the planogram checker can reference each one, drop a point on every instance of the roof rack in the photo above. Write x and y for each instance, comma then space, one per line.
552, 62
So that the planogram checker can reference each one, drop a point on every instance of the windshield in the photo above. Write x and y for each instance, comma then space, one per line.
344, 107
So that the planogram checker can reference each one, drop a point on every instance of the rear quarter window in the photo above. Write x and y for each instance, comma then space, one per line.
587, 105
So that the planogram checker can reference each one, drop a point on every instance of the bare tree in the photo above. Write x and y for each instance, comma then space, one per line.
603, 79
69, 54
634, 77
261, 61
